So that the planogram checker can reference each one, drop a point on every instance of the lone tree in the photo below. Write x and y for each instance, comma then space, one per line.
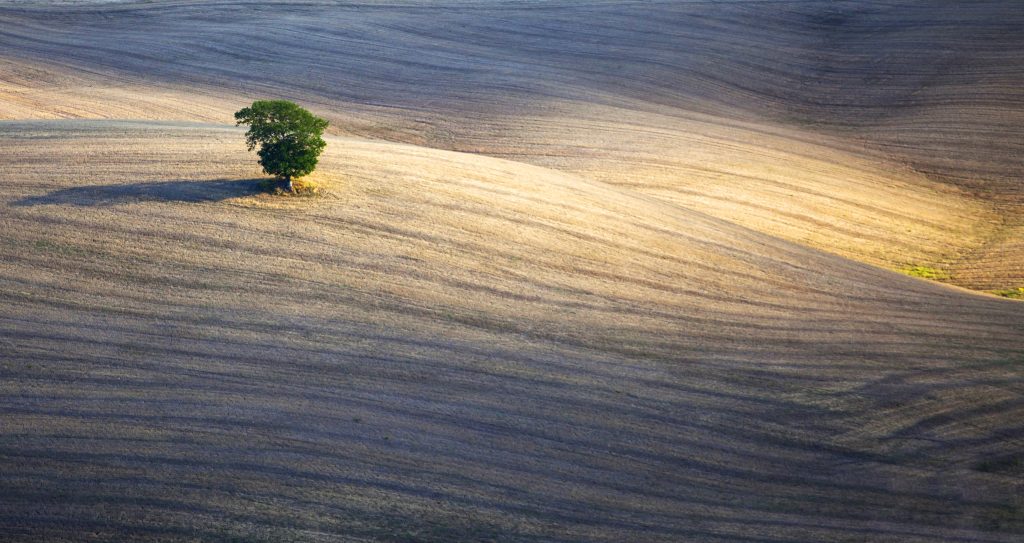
289, 138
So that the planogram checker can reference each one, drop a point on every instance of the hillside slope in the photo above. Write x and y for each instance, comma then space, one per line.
888, 133
451, 347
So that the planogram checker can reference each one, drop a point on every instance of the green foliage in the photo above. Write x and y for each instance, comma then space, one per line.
289, 137
926, 272
1013, 293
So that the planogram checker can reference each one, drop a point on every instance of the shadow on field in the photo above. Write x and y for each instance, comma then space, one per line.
167, 191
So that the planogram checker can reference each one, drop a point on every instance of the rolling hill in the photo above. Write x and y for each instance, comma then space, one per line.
886, 133
598, 271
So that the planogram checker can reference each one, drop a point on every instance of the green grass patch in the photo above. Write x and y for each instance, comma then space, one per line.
1012, 293
926, 272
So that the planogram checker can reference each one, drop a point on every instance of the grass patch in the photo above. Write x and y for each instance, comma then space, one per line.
1012, 293
926, 272
48, 246
303, 188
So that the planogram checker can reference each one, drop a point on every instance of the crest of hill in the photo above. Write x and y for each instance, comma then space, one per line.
887, 133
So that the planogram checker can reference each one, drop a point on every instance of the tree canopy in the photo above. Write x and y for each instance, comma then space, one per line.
289, 137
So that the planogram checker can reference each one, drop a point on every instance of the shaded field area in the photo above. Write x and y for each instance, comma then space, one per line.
475, 349
165, 191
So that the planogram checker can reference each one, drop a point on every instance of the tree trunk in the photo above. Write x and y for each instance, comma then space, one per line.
288, 184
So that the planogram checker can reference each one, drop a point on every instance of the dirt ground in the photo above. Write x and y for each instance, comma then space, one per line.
582, 271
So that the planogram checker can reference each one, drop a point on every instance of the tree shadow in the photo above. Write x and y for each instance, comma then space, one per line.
215, 190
